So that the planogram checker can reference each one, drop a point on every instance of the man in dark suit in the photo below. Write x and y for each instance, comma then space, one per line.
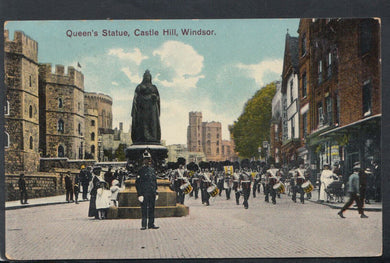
22, 189
146, 185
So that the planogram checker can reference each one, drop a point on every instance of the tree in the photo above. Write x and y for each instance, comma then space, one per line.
253, 125
120, 152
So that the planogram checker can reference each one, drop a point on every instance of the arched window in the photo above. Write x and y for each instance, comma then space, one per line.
79, 128
30, 111
60, 103
31, 143
30, 81
6, 108
61, 152
92, 122
60, 125
6, 140
93, 136
93, 149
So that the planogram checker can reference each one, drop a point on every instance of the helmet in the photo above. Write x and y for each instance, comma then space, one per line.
82, 166
146, 154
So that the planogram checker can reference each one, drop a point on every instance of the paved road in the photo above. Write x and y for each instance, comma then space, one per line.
222, 230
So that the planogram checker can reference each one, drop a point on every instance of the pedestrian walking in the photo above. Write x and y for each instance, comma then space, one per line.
76, 188
146, 185
354, 195
69, 187
22, 189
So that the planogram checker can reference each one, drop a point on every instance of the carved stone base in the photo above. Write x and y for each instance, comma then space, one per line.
129, 206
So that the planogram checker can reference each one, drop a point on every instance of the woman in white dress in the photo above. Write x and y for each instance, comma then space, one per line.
325, 179
102, 198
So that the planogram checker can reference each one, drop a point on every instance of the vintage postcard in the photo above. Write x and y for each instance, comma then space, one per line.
192, 139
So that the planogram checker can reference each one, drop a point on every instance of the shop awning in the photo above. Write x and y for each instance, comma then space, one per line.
352, 126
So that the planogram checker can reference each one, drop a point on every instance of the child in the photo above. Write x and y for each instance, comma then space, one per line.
102, 200
114, 191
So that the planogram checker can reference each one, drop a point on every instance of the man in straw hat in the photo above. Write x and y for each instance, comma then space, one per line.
354, 195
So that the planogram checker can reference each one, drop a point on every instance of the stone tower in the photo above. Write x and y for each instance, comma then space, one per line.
103, 104
194, 132
62, 124
22, 103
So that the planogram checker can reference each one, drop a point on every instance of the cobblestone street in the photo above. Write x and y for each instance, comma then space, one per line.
221, 230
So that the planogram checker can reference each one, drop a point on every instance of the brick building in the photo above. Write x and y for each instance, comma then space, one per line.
22, 103
206, 137
194, 132
61, 104
344, 91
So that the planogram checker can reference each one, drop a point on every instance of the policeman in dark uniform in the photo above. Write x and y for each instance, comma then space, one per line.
146, 185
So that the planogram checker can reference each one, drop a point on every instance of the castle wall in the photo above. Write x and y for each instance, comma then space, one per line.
22, 122
62, 100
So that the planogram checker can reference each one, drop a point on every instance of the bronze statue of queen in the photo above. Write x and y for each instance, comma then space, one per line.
145, 113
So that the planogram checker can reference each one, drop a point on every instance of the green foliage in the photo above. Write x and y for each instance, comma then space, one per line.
253, 126
120, 153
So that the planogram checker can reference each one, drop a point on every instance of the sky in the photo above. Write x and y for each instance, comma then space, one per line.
215, 73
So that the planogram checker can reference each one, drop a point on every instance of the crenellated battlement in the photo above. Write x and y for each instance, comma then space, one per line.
21, 44
98, 96
72, 77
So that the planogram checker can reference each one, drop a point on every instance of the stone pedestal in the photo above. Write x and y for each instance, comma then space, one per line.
129, 206
135, 151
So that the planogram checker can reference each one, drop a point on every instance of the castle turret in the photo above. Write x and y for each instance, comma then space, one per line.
22, 103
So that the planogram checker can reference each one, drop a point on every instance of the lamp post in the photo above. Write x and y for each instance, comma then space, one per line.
99, 149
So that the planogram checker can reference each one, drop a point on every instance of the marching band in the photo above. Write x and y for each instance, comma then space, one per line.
213, 179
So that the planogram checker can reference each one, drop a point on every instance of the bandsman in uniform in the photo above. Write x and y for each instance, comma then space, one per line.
195, 182
227, 184
220, 183
299, 179
245, 183
270, 181
256, 184
180, 178
205, 183
236, 187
